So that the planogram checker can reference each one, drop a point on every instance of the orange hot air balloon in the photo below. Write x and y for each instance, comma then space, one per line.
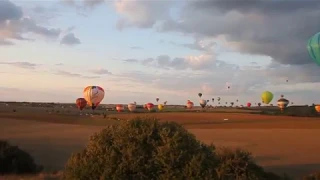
119, 107
81, 103
150, 106
248, 104
317, 107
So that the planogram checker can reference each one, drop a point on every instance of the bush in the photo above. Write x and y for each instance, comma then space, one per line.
238, 164
313, 176
144, 148
13, 160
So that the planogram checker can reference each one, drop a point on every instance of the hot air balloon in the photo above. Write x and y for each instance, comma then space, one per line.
266, 97
165, 103
314, 48
317, 107
203, 103
132, 107
248, 104
212, 99
232, 103
145, 106
157, 99
160, 107
189, 104
119, 107
150, 106
259, 104
207, 100
93, 95
81, 103
199, 94
219, 98
282, 103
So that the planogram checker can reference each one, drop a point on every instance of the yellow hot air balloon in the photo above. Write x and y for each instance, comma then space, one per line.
160, 107
317, 107
266, 97
93, 95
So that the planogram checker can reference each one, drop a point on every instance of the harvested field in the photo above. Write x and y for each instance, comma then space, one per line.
279, 143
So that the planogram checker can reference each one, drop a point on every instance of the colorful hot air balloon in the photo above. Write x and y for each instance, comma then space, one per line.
282, 103
199, 94
160, 107
314, 48
93, 95
189, 104
150, 106
203, 103
266, 97
317, 107
248, 104
119, 107
81, 103
132, 107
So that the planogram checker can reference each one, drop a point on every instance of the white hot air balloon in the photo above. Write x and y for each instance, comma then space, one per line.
93, 95
203, 103
132, 107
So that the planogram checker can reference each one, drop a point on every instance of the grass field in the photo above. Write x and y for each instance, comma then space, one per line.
279, 143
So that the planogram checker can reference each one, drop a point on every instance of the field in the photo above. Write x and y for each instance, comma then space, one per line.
282, 144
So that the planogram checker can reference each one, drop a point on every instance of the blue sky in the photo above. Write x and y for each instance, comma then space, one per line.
183, 58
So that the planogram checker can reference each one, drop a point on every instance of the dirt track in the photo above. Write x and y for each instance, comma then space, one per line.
283, 144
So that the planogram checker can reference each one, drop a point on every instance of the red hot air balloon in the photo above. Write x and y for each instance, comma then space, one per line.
119, 107
81, 103
189, 104
248, 104
150, 106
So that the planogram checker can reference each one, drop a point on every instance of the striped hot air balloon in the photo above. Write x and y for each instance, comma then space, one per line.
93, 95
314, 48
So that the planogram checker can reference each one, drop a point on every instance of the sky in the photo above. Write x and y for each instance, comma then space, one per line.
139, 50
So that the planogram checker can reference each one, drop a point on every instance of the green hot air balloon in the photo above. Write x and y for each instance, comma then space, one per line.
314, 47
266, 97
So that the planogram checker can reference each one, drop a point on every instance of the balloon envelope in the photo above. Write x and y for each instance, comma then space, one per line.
132, 107
93, 95
119, 107
317, 107
203, 103
248, 104
266, 97
160, 107
282, 103
314, 48
81, 103
150, 106
189, 104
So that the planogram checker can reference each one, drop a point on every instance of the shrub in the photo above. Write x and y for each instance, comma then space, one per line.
313, 176
237, 164
13, 160
144, 148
